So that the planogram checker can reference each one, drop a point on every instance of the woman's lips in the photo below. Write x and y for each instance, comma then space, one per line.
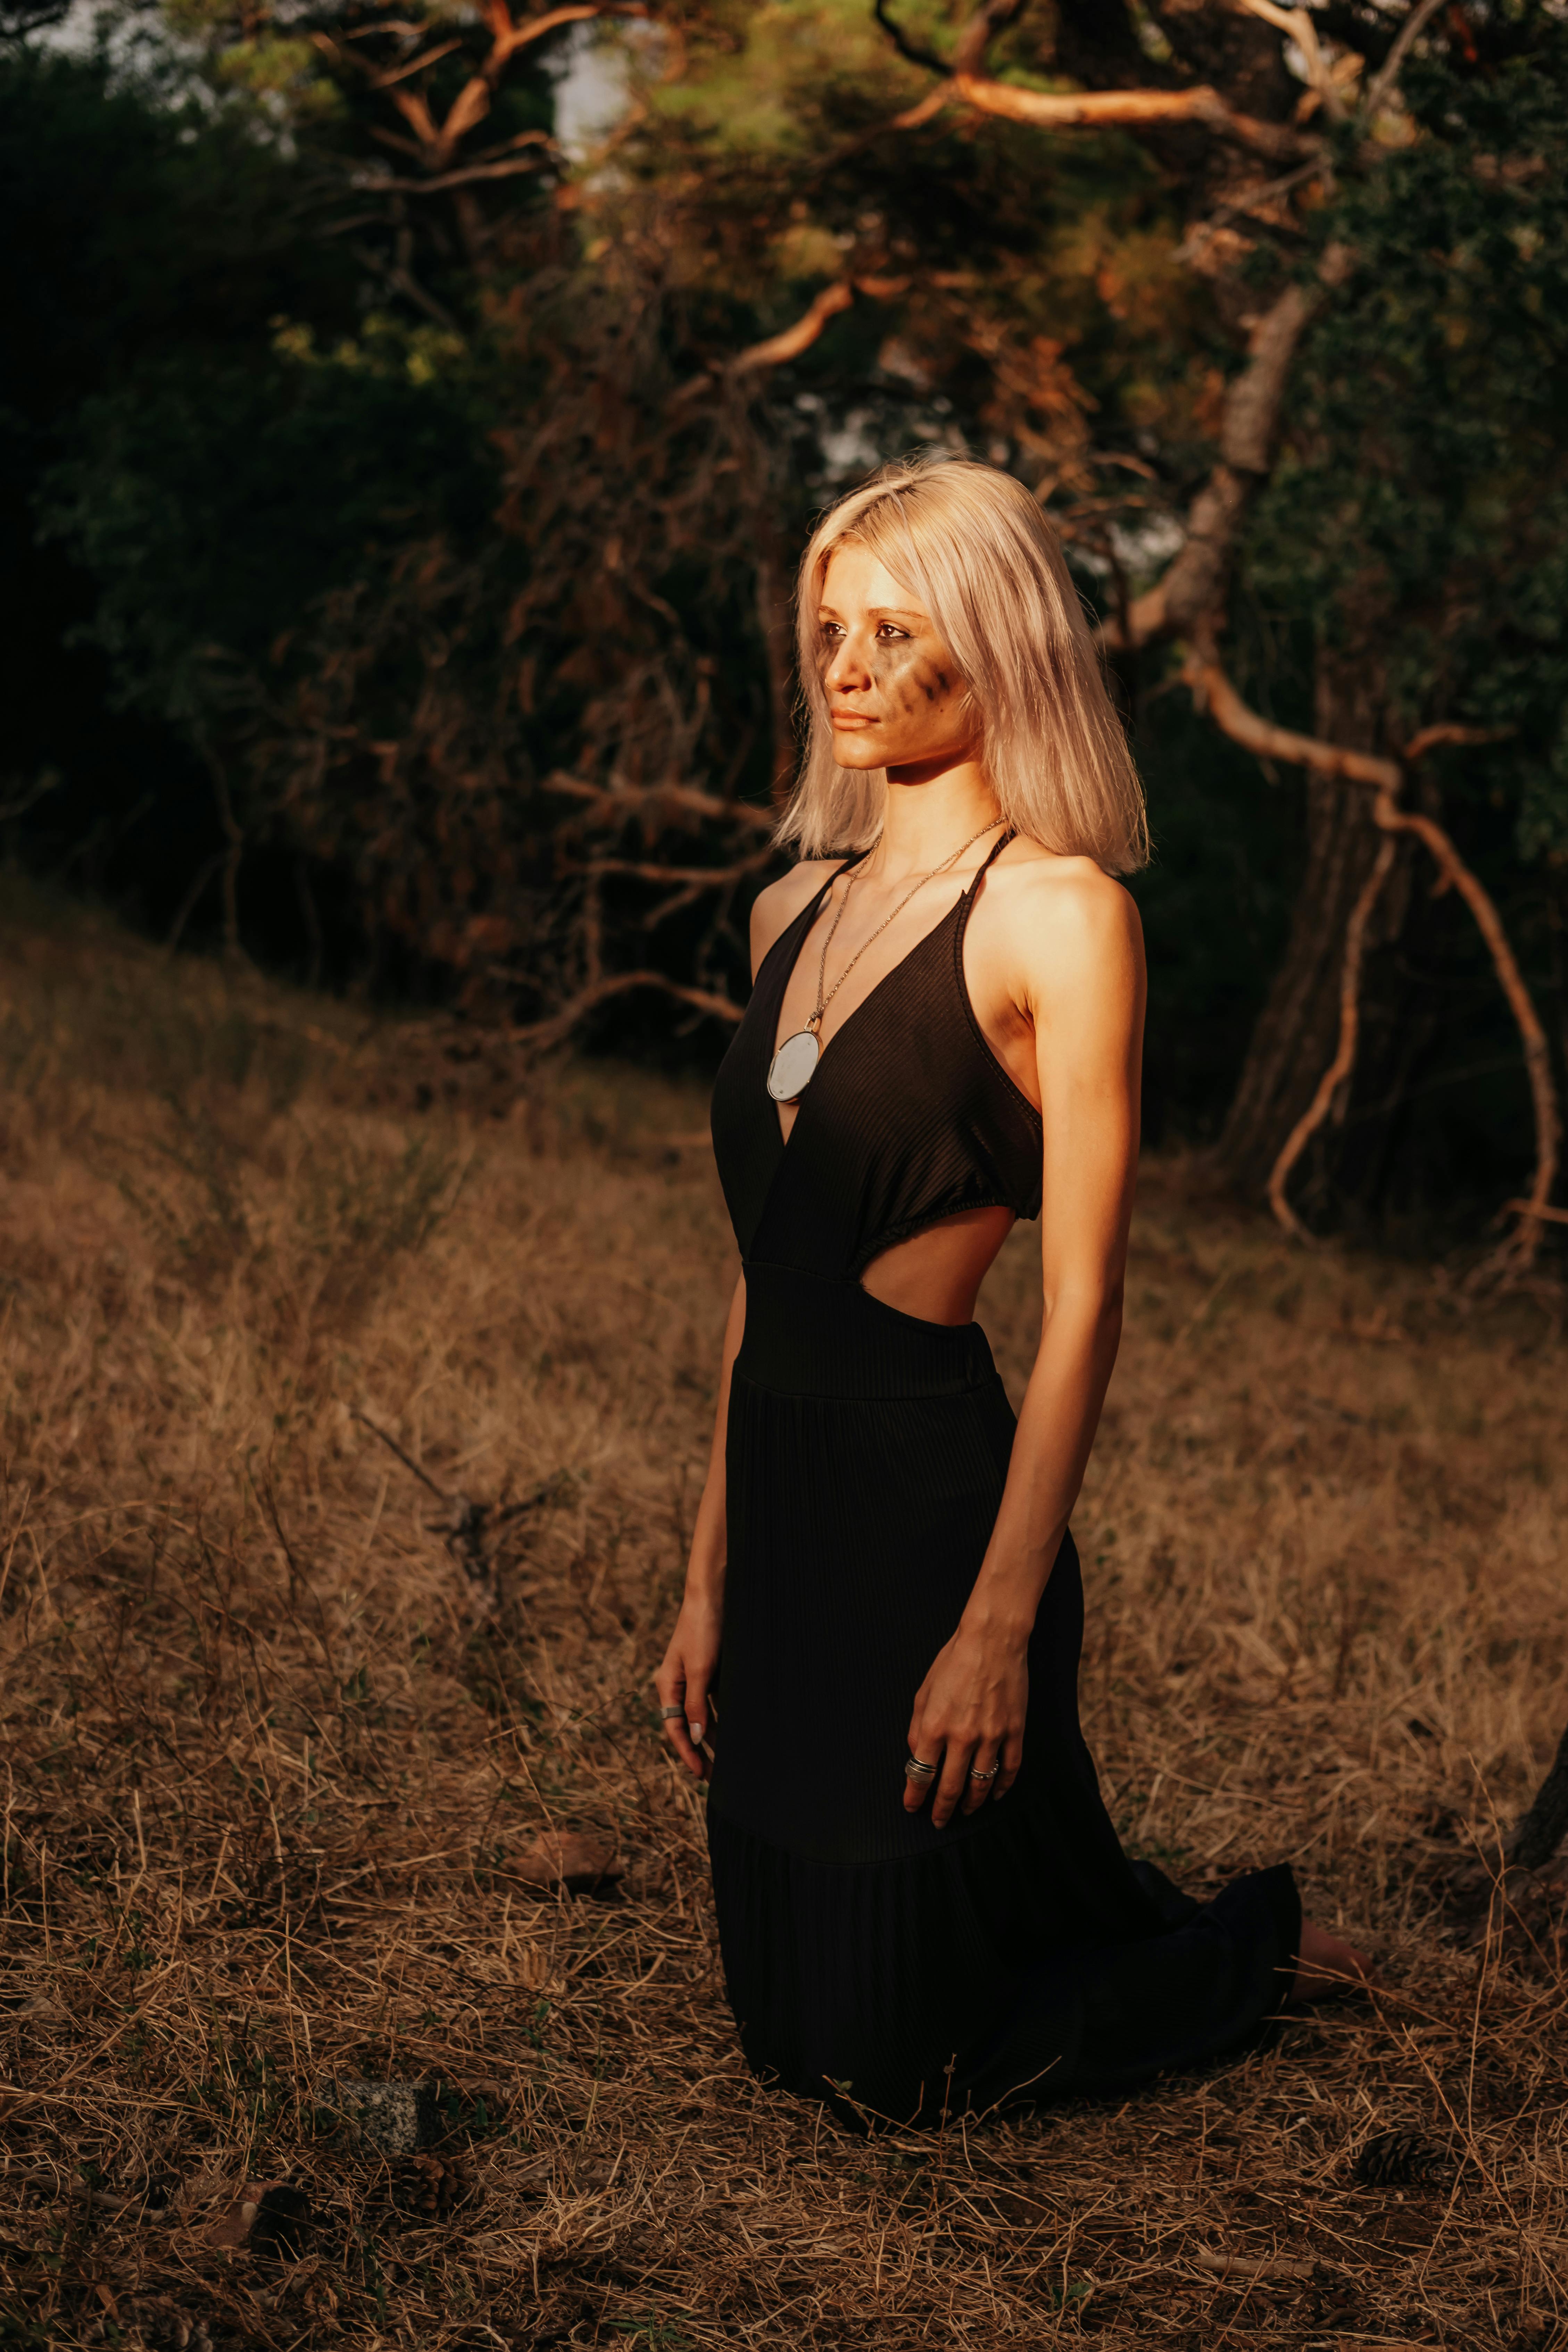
850, 718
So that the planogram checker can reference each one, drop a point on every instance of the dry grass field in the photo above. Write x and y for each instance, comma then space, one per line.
299, 1731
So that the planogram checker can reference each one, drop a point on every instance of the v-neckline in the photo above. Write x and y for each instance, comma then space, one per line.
810, 913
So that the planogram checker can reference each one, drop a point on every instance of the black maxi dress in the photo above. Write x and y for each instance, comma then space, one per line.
897, 1971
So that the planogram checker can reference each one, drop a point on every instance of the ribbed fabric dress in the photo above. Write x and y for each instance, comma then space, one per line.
897, 1971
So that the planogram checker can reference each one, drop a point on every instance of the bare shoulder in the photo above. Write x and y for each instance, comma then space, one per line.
1064, 924
775, 909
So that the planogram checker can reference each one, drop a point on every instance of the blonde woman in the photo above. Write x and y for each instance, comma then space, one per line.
923, 1905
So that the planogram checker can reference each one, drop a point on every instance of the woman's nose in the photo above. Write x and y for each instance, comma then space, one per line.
846, 670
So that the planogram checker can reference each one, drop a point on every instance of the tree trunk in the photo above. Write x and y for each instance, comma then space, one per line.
1298, 1029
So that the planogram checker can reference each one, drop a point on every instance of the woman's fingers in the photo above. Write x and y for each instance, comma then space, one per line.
957, 1757
984, 1775
1012, 1758
697, 1712
922, 1750
997, 1762
676, 1688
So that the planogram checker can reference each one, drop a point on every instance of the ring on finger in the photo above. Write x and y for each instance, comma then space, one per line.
668, 1713
984, 1776
915, 1770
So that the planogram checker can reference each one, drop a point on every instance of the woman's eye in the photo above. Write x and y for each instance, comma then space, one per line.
890, 632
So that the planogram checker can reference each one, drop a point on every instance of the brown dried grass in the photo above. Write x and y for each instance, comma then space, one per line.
272, 1777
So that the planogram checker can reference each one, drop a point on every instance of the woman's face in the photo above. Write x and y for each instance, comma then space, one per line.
895, 699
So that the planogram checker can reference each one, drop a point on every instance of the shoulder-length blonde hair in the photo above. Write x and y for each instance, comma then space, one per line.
972, 544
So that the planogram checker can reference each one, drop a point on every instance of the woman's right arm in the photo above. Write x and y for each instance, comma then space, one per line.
686, 1675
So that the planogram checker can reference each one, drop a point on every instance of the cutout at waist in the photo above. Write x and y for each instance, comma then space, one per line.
822, 1336
935, 1275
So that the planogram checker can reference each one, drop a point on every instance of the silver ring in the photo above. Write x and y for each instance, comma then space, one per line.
915, 1770
986, 1776
668, 1713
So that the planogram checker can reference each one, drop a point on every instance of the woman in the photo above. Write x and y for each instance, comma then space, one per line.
922, 1905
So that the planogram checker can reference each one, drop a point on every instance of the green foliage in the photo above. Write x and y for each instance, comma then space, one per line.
216, 494
407, 482
1421, 510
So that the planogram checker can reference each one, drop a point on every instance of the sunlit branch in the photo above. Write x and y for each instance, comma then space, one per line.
1298, 24
1214, 692
1339, 1068
1192, 583
1052, 111
465, 177
623, 801
1388, 73
541, 1036
789, 343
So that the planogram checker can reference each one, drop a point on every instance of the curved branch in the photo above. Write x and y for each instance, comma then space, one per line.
617, 803
437, 181
1447, 731
789, 343
1298, 24
509, 37
773, 351
1343, 1063
1277, 142
696, 877
1519, 1250
541, 1035
1212, 691
1388, 73
911, 51
1192, 584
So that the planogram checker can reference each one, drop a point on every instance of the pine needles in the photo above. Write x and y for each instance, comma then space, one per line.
307, 1786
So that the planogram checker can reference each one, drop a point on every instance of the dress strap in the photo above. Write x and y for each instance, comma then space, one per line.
1011, 835
966, 906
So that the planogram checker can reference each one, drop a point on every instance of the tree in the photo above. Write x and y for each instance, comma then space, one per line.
1328, 256
531, 691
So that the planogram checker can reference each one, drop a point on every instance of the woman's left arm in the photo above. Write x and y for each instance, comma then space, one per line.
1079, 971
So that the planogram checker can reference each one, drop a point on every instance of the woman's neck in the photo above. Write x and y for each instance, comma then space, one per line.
929, 813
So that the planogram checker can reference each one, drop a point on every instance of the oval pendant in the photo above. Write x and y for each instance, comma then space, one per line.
791, 1070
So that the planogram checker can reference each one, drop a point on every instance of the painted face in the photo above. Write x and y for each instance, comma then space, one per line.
894, 696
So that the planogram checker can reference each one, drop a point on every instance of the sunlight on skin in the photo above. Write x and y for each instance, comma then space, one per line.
1054, 970
895, 701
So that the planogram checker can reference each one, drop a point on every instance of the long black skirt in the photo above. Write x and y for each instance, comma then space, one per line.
904, 1973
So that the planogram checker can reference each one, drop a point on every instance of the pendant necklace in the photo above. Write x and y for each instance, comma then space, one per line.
793, 1067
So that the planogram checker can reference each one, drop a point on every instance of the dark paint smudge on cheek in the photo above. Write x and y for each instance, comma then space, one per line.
904, 675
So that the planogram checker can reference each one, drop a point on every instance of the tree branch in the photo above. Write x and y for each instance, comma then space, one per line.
1343, 1063
774, 350
695, 877
1298, 24
916, 54
541, 1035
1191, 587
1212, 691
1388, 73
623, 801
509, 37
434, 185
1052, 111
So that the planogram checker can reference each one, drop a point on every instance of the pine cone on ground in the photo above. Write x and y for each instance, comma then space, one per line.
1401, 2159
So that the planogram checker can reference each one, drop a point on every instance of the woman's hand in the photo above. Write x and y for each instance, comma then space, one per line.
968, 1717
686, 1674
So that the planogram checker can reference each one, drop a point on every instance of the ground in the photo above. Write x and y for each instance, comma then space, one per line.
300, 1730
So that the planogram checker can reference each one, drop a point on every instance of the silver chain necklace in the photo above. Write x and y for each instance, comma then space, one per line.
793, 1067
